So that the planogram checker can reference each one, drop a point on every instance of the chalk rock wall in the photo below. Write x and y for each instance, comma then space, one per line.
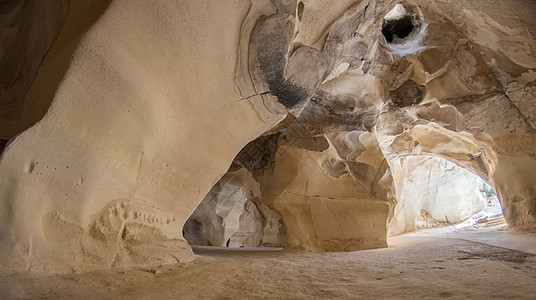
323, 211
134, 139
39, 39
418, 95
151, 102
458, 102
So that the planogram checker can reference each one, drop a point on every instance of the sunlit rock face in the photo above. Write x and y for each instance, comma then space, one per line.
152, 102
432, 191
326, 203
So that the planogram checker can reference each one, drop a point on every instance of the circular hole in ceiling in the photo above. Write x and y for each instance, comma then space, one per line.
398, 24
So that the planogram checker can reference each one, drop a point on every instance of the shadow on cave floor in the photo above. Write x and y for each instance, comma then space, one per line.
209, 250
419, 265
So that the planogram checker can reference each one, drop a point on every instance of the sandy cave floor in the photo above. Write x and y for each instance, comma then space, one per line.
486, 264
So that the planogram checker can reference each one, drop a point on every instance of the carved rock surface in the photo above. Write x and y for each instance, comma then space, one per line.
232, 215
323, 212
125, 124
152, 102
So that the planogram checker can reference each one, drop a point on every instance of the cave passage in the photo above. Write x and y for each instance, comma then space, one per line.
491, 215
232, 215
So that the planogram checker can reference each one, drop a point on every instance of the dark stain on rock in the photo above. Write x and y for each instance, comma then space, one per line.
258, 155
274, 38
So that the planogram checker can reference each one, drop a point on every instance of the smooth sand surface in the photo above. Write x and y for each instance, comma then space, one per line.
428, 264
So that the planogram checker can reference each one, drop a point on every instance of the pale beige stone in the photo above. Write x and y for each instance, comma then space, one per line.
232, 215
125, 126
321, 211
151, 102
28, 30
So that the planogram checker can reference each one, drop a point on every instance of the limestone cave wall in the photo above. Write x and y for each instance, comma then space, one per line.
127, 113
